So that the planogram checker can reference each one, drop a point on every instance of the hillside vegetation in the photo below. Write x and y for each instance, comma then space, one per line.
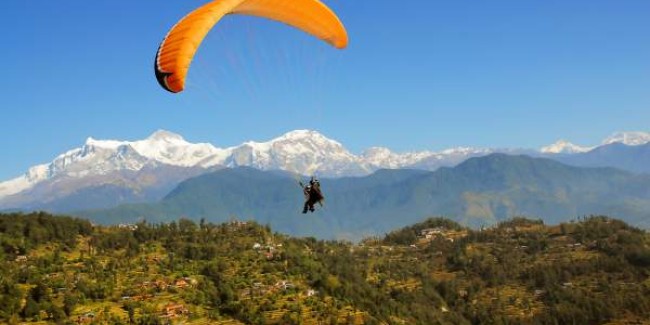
67, 271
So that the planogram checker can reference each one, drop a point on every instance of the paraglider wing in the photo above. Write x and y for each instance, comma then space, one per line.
177, 50
179, 46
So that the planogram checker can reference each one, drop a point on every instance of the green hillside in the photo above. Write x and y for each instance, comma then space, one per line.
63, 270
479, 192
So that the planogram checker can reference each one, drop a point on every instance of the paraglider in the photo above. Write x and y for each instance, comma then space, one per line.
312, 194
177, 49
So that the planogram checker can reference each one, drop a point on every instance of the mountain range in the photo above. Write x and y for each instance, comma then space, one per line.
106, 173
481, 191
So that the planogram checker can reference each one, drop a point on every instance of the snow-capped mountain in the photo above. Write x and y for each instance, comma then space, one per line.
302, 151
109, 172
132, 165
628, 138
164, 147
380, 157
563, 146
145, 169
635, 138
101, 157
19, 184
623, 150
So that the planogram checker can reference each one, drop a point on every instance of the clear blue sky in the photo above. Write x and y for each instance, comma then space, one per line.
417, 75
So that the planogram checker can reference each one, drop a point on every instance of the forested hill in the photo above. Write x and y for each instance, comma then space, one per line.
480, 191
65, 270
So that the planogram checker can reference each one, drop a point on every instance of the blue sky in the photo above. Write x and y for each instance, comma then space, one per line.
417, 75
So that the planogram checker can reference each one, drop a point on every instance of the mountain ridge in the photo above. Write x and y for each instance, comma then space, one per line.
307, 152
480, 191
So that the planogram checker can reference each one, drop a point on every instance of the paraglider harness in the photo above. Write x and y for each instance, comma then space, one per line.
312, 194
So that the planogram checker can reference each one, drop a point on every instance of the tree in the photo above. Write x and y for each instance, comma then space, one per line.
31, 308
69, 303
10, 299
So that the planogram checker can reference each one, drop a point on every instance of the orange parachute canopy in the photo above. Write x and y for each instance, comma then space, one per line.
181, 43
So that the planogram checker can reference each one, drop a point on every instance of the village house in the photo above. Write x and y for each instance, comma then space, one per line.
269, 255
237, 223
86, 318
181, 283
284, 285
128, 226
574, 246
159, 284
431, 232
174, 310
143, 297
258, 289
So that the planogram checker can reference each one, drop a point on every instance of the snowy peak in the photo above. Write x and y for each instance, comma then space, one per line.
108, 144
563, 146
380, 157
301, 151
294, 144
300, 135
377, 154
170, 148
463, 151
166, 136
303, 142
628, 138
33, 176
305, 152
101, 157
